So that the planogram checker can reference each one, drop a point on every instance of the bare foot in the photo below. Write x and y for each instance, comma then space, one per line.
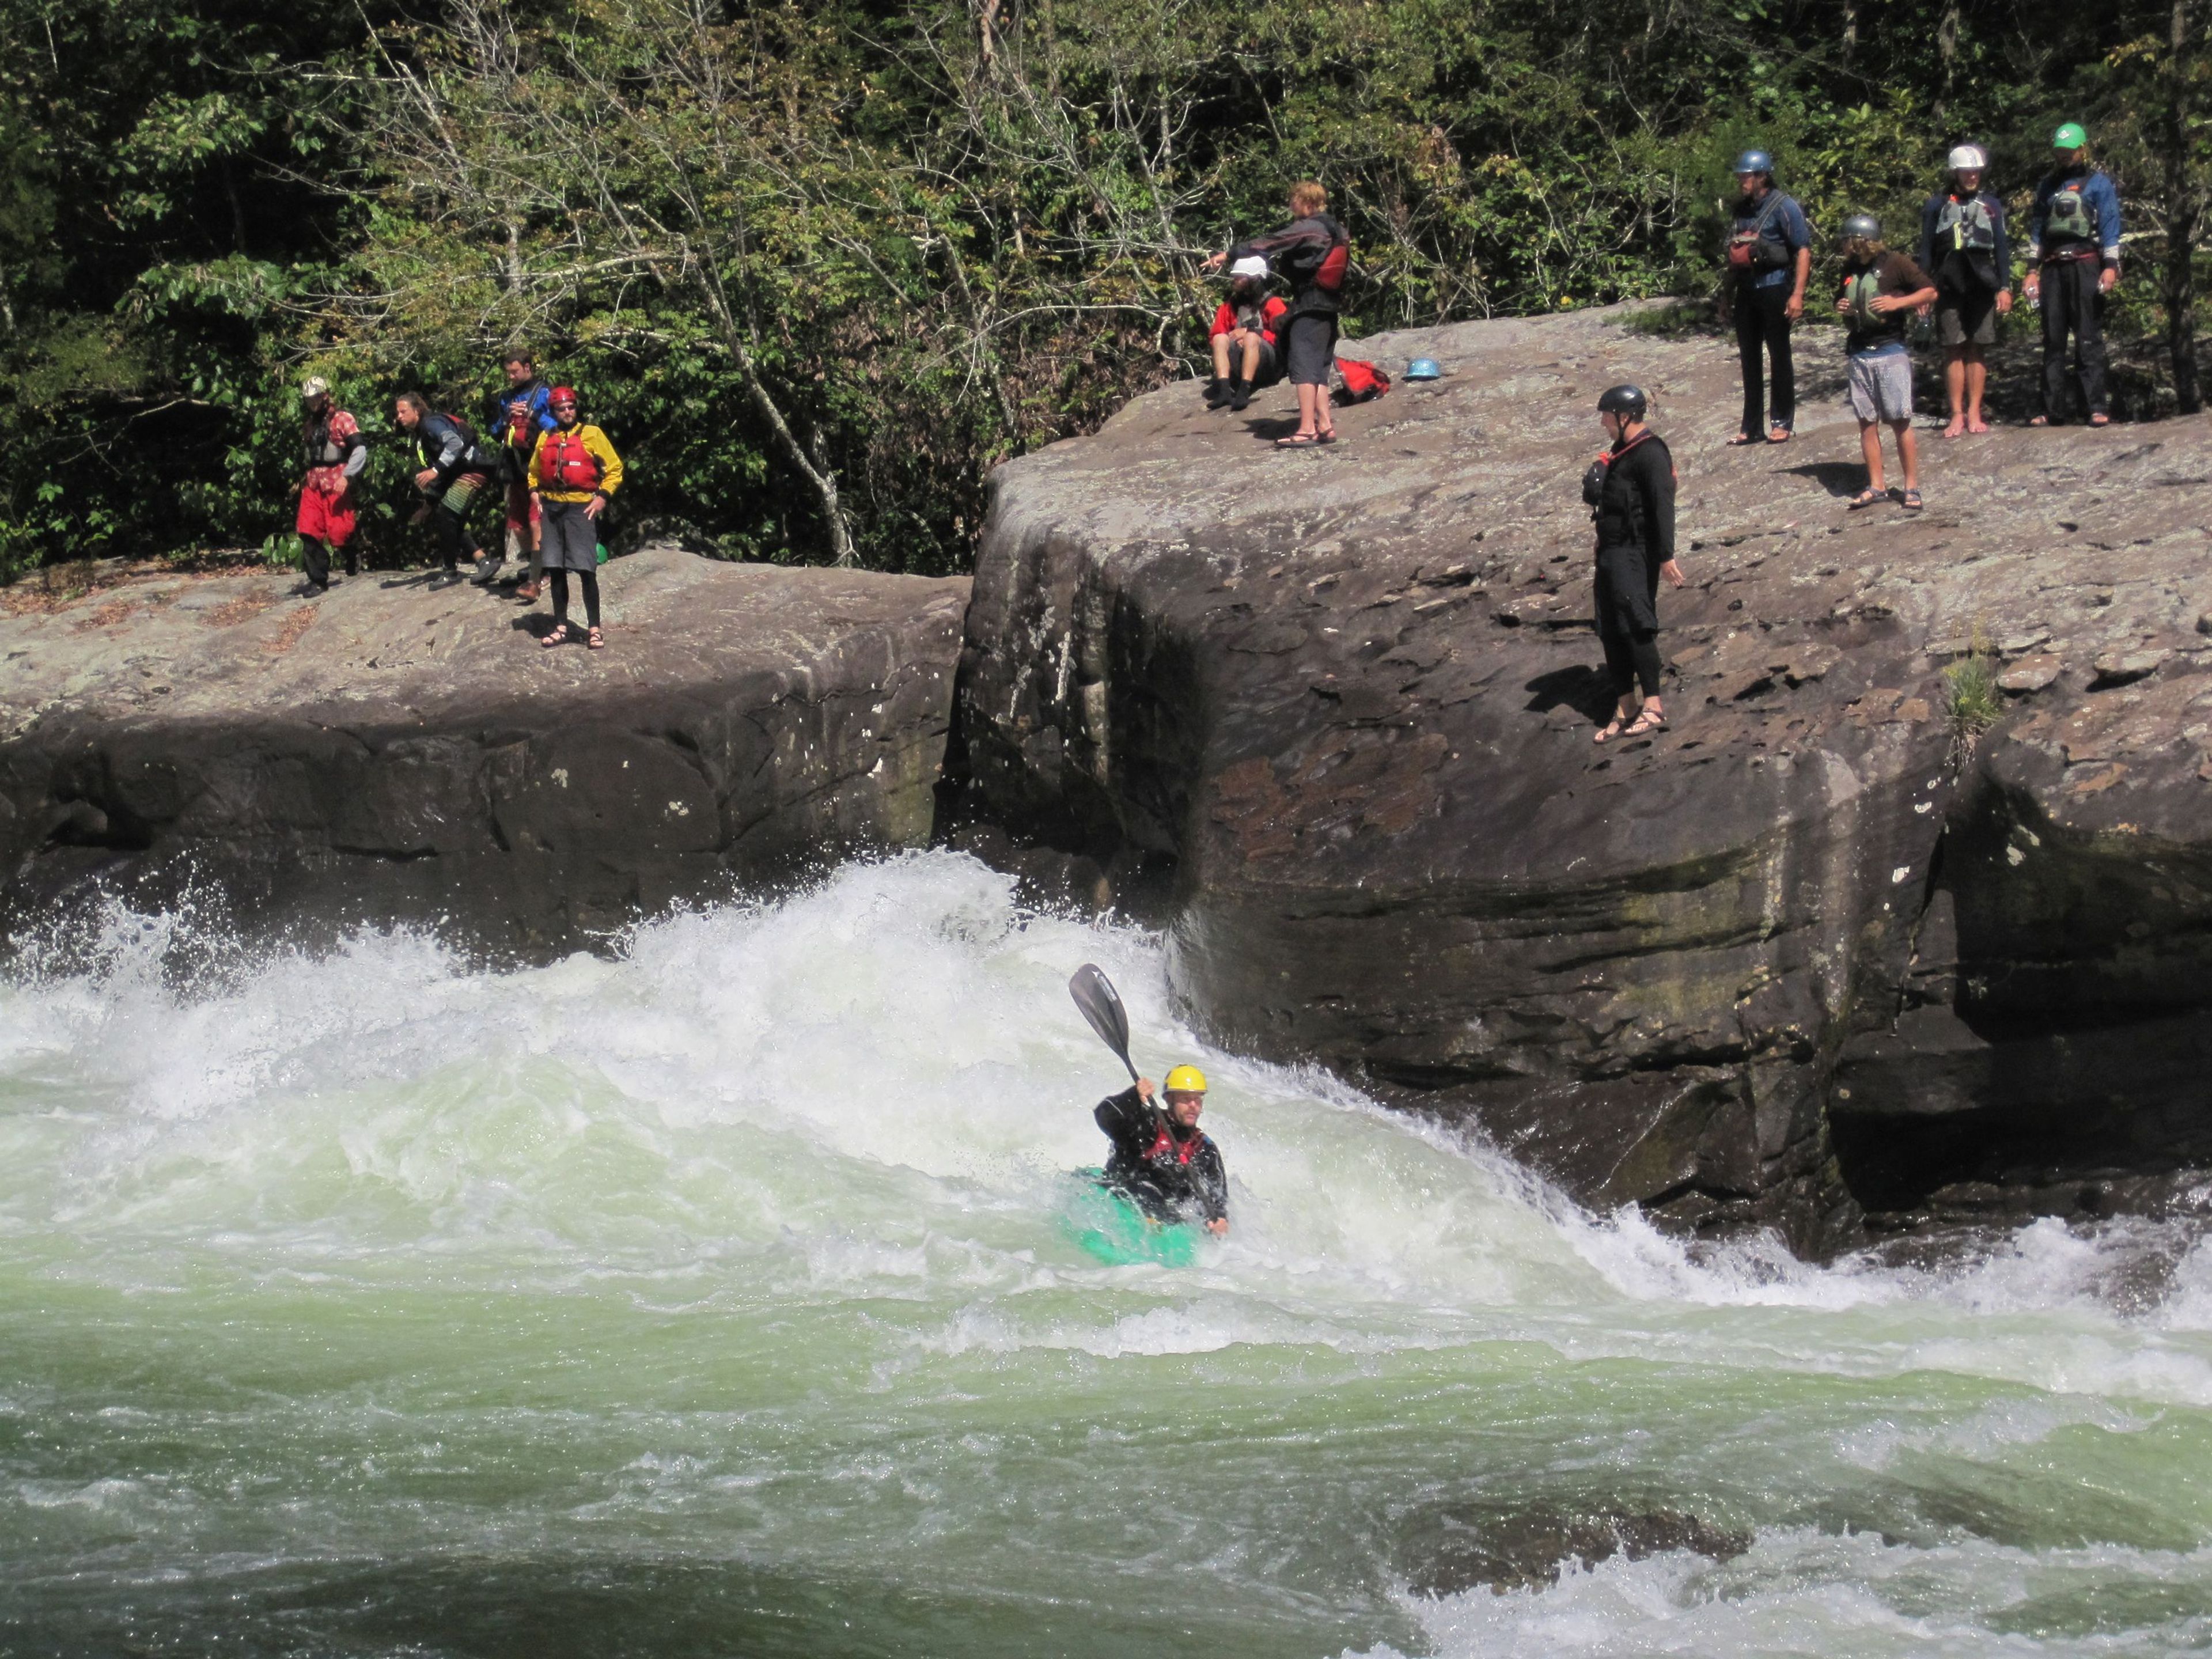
1978, 425
1958, 426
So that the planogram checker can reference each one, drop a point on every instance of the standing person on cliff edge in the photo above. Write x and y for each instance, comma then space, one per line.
1314, 254
519, 416
1881, 290
1963, 246
336, 453
575, 473
1770, 260
2073, 263
1630, 493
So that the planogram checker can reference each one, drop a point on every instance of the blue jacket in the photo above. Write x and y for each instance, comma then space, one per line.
539, 396
2103, 201
1782, 217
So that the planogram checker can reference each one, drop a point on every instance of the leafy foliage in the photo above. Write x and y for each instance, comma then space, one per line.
818, 264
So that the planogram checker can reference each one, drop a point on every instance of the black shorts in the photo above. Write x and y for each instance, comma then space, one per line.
1309, 344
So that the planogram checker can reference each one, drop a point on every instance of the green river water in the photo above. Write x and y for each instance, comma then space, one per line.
714, 1299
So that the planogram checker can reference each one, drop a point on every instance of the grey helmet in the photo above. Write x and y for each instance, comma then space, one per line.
1624, 400
1754, 160
1862, 224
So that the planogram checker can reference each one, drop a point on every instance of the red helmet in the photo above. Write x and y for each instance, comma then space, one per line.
562, 394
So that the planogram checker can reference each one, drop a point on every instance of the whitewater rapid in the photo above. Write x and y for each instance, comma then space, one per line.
712, 1296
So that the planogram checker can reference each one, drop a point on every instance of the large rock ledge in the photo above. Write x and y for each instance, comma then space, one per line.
393, 753
1799, 961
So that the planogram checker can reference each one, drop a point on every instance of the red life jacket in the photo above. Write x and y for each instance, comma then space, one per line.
1165, 1142
563, 463
1362, 380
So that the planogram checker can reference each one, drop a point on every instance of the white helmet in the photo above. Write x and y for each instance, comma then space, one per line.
315, 387
1252, 265
1969, 158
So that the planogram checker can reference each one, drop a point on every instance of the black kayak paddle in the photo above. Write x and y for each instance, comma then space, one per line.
1094, 993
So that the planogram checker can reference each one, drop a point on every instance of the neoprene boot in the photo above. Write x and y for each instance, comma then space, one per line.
1240, 392
1217, 392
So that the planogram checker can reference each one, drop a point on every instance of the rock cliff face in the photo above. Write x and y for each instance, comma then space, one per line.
390, 752
1813, 954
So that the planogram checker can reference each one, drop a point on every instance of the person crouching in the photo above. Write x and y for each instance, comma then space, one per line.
574, 472
1245, 354
1631, 492
1881, 290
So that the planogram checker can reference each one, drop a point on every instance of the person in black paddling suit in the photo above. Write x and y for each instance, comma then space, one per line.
1770, 260
1314, 253
1162, 1161
1631, 492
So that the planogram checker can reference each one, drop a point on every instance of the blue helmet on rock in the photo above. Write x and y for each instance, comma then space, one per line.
1425, 368
1754, 160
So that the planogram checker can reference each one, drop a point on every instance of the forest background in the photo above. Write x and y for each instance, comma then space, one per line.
818, 265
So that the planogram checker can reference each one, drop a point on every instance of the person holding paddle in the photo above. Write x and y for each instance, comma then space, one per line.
1161, 1161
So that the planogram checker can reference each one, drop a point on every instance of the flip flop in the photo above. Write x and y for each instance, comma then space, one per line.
1780, 435
1739, 439
1299, 441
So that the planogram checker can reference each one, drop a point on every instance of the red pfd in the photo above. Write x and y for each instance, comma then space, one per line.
1165, 1142
563, 463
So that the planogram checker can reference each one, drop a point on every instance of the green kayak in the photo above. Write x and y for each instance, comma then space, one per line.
1115, 1231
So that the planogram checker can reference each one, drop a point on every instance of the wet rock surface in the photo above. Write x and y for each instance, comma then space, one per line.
1449, 1550
1815, 953
393, 752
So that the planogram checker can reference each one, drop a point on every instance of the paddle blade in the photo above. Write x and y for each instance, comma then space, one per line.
1094, 993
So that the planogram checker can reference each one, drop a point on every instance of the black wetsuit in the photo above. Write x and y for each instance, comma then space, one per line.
1635, 516
1167, 1171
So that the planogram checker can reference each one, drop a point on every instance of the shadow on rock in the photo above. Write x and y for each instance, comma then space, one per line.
1582, 688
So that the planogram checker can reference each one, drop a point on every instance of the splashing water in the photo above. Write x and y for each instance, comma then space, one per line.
713, 1299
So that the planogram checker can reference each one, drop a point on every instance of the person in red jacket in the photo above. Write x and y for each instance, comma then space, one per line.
1245, 354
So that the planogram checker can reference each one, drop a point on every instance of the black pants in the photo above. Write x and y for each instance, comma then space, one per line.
2072, 304
1762, 319
591, 581
451, 531
317, 559
1626, 593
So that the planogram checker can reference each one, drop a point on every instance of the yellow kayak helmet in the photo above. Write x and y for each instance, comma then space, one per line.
1186, 1080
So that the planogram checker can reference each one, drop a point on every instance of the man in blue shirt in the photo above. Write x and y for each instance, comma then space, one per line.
2073, 260
1769, 257
521, 413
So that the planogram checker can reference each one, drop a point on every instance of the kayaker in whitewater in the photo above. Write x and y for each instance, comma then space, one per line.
1162, 1161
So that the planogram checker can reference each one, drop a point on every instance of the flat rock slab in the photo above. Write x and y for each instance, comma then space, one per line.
1351, 692
390, 752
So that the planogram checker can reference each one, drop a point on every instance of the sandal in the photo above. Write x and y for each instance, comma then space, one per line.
595, 640
1866, 497
1910, 501
558, 636
1609, 731
2100, 420
1744, 438
1647, 722
1328, 437
1779, 435
1299, 441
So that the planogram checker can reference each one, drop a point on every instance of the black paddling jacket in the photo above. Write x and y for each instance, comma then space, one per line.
1312, 254
1635, 504
1167, 1170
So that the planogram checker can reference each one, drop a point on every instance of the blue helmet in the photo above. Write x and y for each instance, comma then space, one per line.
1754, 160
1425, 368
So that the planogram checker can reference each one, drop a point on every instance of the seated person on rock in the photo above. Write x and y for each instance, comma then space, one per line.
1161, 1161
1245, 354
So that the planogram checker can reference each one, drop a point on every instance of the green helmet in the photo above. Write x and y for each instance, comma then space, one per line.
2069, 137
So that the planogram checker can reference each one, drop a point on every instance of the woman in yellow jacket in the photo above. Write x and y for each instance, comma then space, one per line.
573, 472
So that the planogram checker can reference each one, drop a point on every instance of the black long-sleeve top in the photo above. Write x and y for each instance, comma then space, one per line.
1636, 508
1301, 252
1169, 1171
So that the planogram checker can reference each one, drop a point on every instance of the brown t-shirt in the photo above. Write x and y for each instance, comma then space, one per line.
1893, 273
